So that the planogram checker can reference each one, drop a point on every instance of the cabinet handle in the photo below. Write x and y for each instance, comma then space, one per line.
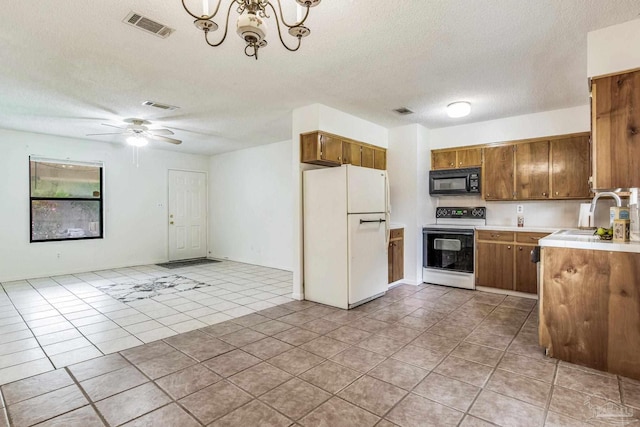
557, 193
508, 247
460, 163
544, 194
339, 158
451, 164
520, 248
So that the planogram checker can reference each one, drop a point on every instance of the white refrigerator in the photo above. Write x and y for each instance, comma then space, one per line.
346, 219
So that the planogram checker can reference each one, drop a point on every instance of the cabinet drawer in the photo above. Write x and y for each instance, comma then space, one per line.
397, 233
496, 236
532, 238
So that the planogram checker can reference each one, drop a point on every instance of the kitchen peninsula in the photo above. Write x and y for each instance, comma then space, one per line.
590, 302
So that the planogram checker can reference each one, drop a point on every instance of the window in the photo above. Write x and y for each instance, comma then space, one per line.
66, 200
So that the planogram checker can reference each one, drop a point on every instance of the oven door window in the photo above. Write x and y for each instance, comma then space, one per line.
448, 251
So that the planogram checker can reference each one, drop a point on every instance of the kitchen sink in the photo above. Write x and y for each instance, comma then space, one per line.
577, 234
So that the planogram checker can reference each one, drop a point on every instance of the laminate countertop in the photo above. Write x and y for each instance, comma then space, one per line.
569, 239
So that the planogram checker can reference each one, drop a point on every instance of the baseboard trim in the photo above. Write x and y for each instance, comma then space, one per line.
297, 296
506, 292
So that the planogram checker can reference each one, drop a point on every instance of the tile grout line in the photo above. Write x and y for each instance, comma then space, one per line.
86, 396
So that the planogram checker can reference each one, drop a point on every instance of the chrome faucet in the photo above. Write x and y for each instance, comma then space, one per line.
605, 193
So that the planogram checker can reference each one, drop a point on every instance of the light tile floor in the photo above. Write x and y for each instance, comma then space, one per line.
419, 356
52, 322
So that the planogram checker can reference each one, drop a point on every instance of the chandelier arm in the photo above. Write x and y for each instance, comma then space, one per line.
280, 32
282, 15
215, 12
226, 28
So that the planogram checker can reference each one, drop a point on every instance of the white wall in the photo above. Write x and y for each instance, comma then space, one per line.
408, 163
548, 123
250, 206
135, 206
613, 49
320, 117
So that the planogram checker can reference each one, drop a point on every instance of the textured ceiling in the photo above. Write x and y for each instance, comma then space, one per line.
67, 66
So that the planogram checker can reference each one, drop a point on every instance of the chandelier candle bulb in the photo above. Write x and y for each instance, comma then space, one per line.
298, 13
205, 7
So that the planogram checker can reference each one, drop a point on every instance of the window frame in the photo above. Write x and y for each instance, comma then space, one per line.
100, 200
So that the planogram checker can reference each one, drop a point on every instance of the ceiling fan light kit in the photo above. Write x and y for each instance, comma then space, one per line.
251, 25
137, 140
138, 134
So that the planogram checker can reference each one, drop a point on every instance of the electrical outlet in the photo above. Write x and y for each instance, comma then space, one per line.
519, 209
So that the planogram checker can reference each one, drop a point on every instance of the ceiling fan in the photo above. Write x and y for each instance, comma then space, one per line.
139, 134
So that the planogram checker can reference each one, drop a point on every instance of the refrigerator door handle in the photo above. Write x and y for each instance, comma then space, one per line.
362, 221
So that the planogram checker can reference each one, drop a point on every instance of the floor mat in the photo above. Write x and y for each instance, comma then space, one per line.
141, 289
187, 263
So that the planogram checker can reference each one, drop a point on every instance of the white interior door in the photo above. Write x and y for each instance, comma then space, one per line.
187, 215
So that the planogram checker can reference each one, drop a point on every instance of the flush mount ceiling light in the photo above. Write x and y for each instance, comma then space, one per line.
458, 109
251, 25
137, 140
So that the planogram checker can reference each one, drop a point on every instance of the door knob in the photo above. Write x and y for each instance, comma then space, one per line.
171, 222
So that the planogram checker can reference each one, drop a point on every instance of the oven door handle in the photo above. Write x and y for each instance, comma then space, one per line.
465, 232
452, 245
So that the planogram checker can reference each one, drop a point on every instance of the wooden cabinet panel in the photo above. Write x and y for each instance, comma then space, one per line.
496, 236
529, 237
590, 310
469, 158
615, 126
320, 149
443, 159
331, 149
532, 170
380, 159
570, 168
396, 255
497, 173
351, 154
526, 271
494, 265
367, 157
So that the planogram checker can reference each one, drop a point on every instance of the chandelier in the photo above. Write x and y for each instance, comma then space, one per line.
251, 25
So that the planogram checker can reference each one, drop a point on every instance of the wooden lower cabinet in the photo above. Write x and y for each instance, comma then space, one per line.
396, 255
494, 265
590, 308
503, 260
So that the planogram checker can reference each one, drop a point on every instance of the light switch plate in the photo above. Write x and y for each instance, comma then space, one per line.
519, 209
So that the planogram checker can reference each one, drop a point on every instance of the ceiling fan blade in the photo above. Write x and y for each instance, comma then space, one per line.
160, 131
113, 126
111, 133
165, 139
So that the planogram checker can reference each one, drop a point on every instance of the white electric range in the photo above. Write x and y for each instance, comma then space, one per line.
448, 246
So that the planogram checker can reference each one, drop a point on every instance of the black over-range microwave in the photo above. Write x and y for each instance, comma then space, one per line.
454, 182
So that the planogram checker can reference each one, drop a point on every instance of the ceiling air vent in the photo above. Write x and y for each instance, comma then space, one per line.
161, 106
148, 25
403, 111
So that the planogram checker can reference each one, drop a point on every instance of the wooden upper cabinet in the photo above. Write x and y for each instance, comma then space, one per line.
463, 158
471, 157
351, 154
532, 170
497, 172
443, 159
380, 159
367, 157
615, 127
570, 168
321, 148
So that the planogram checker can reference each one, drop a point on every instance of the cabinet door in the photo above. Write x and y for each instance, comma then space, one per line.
380, 159
398, 260
469, 158
615, 129
494, 265
498, 173
443, 159
570, 168
351, 154
526, 271
367, 157
331, 149
532, 170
